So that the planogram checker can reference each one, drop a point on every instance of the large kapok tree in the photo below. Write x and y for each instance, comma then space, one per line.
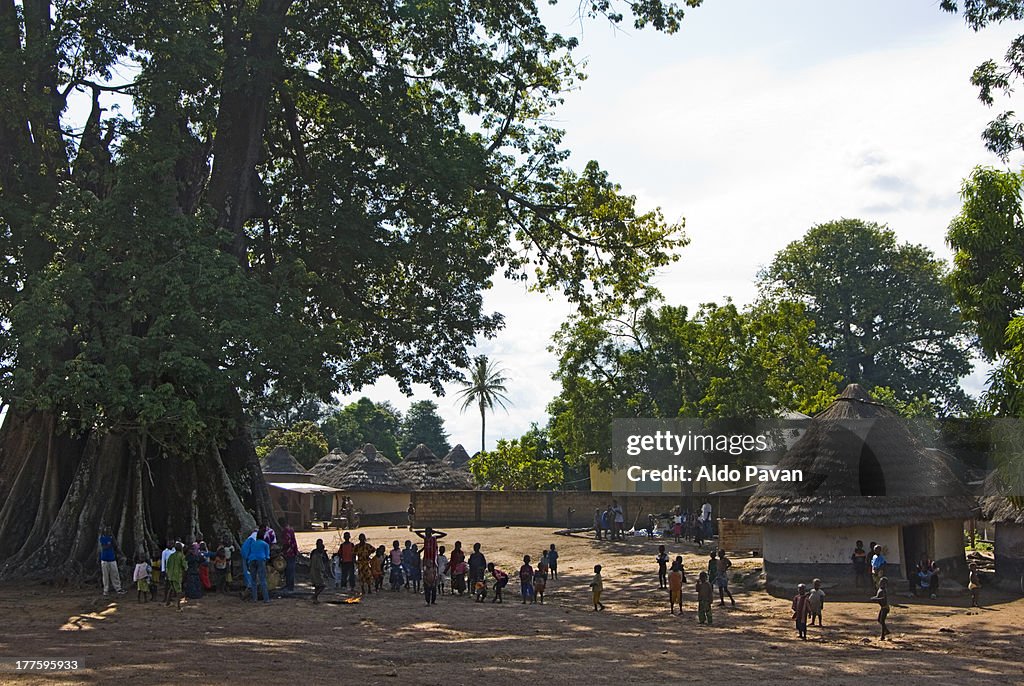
203, 201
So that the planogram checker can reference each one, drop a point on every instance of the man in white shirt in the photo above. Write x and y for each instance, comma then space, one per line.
705, 515
620, 520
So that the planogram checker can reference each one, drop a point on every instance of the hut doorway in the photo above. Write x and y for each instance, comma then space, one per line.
918, 543
872, 479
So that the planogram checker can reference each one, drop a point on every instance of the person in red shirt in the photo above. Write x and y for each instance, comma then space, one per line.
801, 610
347, 556
526, 581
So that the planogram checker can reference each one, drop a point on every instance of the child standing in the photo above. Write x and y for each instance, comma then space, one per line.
675, 587
713, 569
416, 569
816, 601
430, 576
596, 586
396, 567
705, 594
142, 576
553, 562
662, 561
724, 565
175, 573
500, 581
377, 568
526, 581
800, 610
442, 569
540, 580
974, 585
882, 598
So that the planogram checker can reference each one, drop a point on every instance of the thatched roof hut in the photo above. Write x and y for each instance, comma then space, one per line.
280, 461
457, 457
1009, 525
860, 466
866, 477
328, 464
367, 471
427, 472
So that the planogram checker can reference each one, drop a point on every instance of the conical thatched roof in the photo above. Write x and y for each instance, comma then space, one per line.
997, 507
427, 472
861, 466
367, 471
327, 464
457, 457
280, 461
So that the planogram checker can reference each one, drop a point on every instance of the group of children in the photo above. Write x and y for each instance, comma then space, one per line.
717, 575
808, 605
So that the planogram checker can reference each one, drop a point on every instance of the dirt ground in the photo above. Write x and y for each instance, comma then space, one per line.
395, 638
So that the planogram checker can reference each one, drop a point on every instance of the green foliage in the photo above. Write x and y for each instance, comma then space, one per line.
720, 363
884, 312
1005, 133
362, 422
915, 408
422, 424
485, 388
303, 440
517, 464
294, 198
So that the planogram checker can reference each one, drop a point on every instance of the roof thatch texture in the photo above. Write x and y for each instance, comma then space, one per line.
427, 472
367, 471
997, 507
861, 466
280, 461
327, 464
457, 457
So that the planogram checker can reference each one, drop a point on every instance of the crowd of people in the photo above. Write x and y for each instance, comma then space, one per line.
427, 568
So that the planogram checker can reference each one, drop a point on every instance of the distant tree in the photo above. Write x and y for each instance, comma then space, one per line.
884, 312
485, 388
422, 424
274, 411
663, 362
365, 421
517, 464
304, 441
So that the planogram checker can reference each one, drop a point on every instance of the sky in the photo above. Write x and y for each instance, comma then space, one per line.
753, 123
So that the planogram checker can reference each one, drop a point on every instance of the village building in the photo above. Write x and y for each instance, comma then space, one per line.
868, 478
378, 491
293, 491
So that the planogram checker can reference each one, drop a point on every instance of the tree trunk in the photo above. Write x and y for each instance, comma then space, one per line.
59, 491
483, 428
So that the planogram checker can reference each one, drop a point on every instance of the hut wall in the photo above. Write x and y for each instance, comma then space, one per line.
379, 503
735, 536
1009, 546
801, 553
949, 550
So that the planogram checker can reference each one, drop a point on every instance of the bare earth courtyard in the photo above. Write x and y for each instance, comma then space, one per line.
395, 638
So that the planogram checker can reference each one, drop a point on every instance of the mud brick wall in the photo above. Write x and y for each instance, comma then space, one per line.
736, 537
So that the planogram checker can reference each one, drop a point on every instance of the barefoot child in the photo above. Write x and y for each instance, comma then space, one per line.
724, 565
596, 586
319, 566
800, 610
500, 581
705, 595
526, 581
815, 602
974, 585
175, 573
662, 561
540, 580
553, 562
442, 569
675, 587
882, 598
142, 576
377, 567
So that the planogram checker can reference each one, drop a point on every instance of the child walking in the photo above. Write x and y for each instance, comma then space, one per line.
800, 610
596, 586
816, 601
705, 595
553, 562
500, 581
662, 561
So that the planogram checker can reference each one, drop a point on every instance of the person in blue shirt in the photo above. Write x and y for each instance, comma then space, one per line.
259, 554
877, 566
108, 562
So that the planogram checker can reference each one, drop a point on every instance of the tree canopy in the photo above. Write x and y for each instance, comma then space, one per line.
422, 424
720, 362
304, 441
295, 195
884, 313
362, 422
517, 464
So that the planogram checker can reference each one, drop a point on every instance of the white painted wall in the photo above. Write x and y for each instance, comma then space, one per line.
949, 538
797, 544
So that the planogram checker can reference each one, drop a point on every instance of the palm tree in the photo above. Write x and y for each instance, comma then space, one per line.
485, 388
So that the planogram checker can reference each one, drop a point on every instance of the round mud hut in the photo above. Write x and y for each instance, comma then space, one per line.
427, 472
1008, 519
865, 477
279, 462
373, 482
